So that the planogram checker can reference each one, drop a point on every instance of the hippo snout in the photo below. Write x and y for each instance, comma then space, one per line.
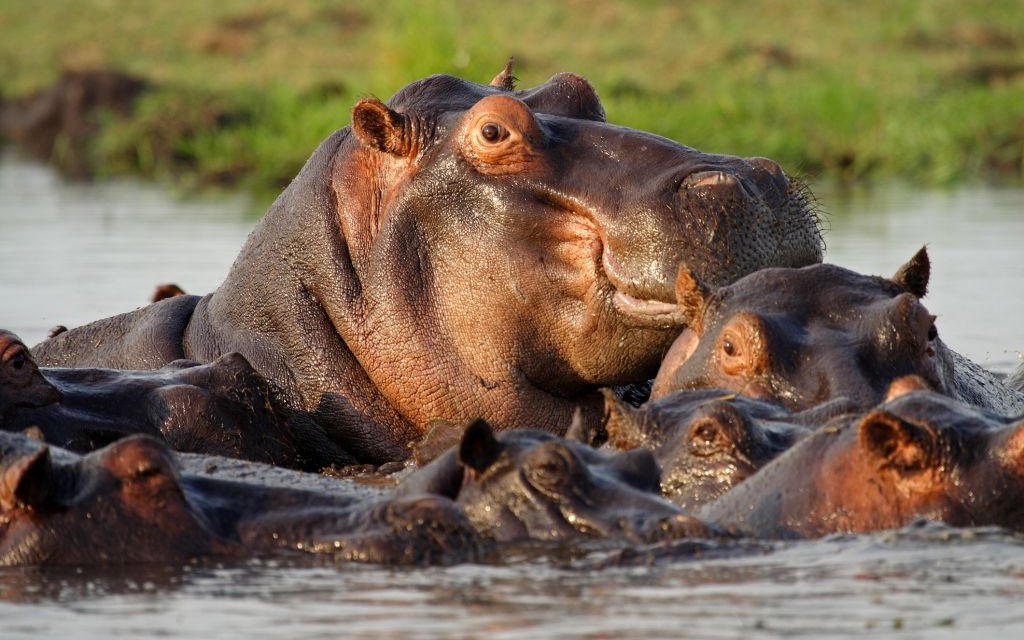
753, 179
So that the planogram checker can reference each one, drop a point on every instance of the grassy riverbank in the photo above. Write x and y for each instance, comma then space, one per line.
243, 91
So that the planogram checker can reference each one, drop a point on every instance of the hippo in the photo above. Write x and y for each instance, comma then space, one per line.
467, 251
129, 503
804, 336
707, 441
527, 484
222, 408
21, 384
919, 455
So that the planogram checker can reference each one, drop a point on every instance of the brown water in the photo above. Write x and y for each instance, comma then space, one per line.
73, 253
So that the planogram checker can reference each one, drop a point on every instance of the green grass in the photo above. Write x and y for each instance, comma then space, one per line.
932, 91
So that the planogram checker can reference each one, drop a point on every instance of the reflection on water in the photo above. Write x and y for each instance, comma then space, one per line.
73, 253
930, 582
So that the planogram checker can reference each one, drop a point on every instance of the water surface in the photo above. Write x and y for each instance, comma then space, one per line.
74, 253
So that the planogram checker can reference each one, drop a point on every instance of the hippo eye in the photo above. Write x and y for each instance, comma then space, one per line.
492, 132
550, 468
728, 348
706, 439
18, 361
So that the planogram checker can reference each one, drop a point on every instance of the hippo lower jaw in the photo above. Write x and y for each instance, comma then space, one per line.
644, 312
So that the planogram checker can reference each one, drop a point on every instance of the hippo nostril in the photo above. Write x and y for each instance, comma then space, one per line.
708, 179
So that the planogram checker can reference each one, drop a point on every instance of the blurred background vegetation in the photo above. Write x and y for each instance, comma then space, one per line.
240, 92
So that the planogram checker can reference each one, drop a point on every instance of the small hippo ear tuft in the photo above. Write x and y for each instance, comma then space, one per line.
903, 386
691, 296
914, 275
28, 481
479, 448
622, 423
897, 444
380, 127
505, 80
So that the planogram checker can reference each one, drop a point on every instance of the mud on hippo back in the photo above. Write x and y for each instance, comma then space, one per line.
469, 251
822, 332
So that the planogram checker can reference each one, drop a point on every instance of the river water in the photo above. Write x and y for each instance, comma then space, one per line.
73, 253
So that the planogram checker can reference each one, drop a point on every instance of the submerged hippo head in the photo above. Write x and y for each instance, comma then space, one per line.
129, 503
535, 485
919, 455
705, 441
21, 384
804, 336
119, 505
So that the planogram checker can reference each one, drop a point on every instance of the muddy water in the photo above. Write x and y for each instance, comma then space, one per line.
72, 253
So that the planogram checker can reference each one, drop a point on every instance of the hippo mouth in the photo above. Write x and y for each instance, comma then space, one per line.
642, 310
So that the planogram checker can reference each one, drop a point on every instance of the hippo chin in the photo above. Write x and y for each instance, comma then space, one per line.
920, 455
129, 503
533, 485
809, 335
468, 250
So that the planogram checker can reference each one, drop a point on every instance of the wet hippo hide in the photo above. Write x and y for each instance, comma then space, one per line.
468, 251
809, 335
132, 502
919, 455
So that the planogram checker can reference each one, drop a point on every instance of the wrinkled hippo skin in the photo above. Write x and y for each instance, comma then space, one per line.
128, 503
805, 336
532, 485
708, 441
468, 251
221, 408
919, 455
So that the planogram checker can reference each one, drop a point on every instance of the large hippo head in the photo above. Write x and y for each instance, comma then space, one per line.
918, 455
531, 233
469, 250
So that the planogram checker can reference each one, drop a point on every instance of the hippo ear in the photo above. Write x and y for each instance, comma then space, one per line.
505, 80
27, 482
913, 276
897, 444
479, 448
903, 386
691, 296
381, 128
622, 423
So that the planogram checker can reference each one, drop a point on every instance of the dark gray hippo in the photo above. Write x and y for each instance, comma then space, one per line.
130, 502
707, 441
526, 484
805, 336
918, 455
220, 408
468, 251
